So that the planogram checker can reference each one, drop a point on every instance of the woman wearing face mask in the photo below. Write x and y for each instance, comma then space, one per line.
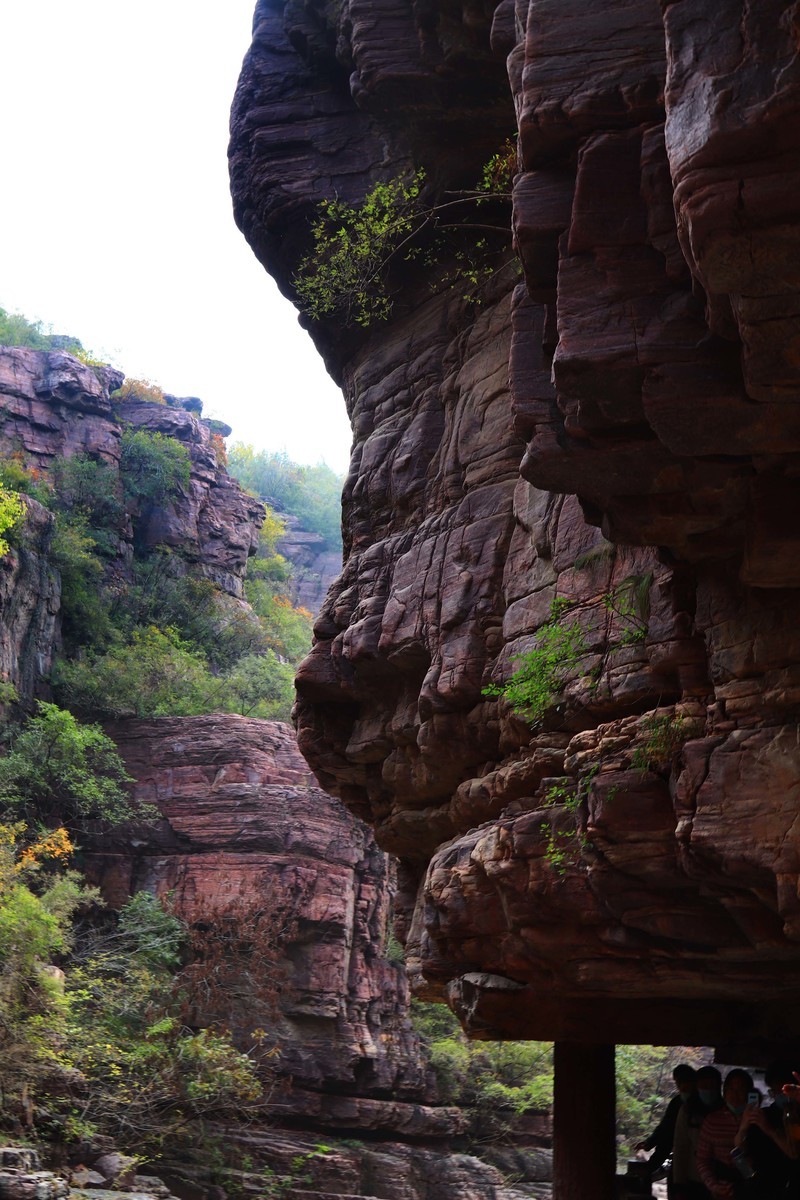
718, 1138
686, 1182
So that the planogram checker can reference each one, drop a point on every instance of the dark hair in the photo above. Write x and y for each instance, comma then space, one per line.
683, 1073
709, 1072
777, 1073
740, 1073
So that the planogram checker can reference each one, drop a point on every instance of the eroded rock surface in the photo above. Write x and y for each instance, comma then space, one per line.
245, 828
52, 407
626, 414
314, 566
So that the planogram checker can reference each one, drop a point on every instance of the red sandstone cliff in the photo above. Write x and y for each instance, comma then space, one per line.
627, 410
243, 829
52, 406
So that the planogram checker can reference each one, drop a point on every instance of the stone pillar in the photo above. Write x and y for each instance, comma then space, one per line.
584, 1122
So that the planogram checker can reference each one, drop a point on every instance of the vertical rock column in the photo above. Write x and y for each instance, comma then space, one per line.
584, 1117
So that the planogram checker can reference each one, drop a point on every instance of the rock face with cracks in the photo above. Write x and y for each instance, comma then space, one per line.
53, 407
621, 420
243, 829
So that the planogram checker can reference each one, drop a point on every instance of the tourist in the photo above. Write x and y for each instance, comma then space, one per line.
661, 1139
722, 1133
770, 1152
707, 1098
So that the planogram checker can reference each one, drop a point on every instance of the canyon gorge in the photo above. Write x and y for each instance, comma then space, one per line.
240, 842
576, 449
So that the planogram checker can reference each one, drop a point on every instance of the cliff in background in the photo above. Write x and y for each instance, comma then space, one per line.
52, 407
627, 411
245, 831
243, 836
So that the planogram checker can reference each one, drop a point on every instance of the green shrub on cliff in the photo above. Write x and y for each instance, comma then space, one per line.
101, 1047
536, 684
157, 674
144, 1072
12, 509
38, 897
87, 488
347, 274
57, 771
16, 330
153, 467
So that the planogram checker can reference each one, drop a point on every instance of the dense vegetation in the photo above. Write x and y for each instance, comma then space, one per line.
313, 494
144, 633
156, 640
355, 247
79, 1054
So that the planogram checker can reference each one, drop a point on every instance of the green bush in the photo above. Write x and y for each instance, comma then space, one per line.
260, 685
36, 908
87, 489
153, 467
537, 683
345, 275
154, 674
498, 1081
205, 618
16, 330
144, 1073
157, 674
16, 476
12, 510
139, 389
84, 605
57, 771
288, 630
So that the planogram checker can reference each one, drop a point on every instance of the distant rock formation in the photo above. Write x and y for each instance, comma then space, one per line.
627, 411
314, 567
244, 824
52, 406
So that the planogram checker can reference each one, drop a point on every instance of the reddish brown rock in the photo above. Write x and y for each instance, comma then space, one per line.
52, 407
243, 822
30, 598
649, 364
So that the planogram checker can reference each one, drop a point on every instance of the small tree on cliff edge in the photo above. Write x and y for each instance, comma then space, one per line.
346, 275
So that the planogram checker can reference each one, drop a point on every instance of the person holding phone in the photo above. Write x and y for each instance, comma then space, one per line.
720, 1135
770, 1151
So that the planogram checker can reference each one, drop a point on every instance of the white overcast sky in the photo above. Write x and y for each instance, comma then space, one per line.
115, 214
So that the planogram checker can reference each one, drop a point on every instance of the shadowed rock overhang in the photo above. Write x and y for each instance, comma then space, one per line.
624, 409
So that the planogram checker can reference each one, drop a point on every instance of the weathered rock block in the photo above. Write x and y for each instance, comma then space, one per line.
629, 866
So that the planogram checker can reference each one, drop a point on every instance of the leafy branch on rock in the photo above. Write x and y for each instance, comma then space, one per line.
346, 274
536, 684
564, 846
663, 736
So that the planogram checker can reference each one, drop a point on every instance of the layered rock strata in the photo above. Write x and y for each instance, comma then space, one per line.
52, 407
244, 831
622, 420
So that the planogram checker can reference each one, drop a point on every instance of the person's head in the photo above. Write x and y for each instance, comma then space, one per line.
734, 1091
709, 1086
776, 1075
684, 1077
